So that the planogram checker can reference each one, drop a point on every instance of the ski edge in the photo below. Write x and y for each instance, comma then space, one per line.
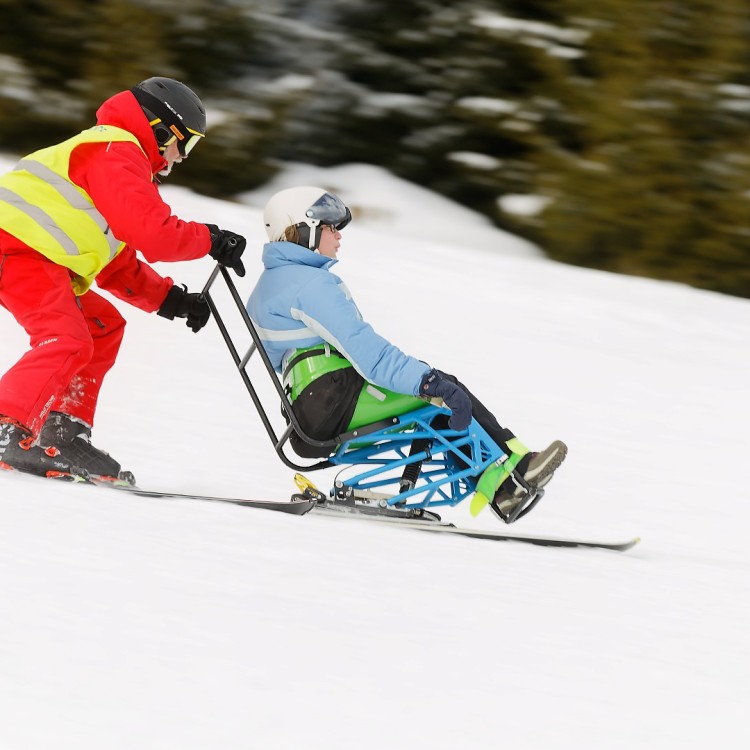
298, 505
449, 528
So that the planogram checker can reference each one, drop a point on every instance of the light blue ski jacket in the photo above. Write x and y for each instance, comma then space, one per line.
298, 303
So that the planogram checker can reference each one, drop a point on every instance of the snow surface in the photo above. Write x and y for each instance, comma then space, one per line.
135, 623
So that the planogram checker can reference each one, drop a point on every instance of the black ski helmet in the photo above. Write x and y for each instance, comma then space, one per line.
174, 112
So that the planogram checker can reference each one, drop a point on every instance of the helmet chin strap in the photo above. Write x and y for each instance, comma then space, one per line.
310, 235
314, 241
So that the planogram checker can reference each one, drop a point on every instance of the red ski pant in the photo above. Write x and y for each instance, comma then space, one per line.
74, 342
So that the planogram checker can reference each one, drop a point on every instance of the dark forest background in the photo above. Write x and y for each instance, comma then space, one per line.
628, 121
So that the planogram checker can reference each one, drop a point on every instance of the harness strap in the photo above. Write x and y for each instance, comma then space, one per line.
308, 365
305, 354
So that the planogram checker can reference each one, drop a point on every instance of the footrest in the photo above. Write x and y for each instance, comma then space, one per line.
511, 510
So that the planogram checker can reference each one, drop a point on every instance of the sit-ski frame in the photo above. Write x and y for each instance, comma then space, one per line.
438, 466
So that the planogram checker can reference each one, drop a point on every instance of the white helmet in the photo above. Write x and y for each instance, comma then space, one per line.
306, 208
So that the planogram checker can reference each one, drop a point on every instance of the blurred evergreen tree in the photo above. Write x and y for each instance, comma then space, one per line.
430, 92
629, 119
63, 59
656, 180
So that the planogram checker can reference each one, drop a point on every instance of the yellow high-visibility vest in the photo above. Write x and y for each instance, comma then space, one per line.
42, 207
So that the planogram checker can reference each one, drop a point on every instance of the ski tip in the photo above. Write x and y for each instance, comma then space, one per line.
618, 546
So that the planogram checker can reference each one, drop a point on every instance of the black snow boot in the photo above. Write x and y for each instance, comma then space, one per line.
72, 439
19, 451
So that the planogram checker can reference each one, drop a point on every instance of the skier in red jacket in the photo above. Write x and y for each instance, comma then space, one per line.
78, 212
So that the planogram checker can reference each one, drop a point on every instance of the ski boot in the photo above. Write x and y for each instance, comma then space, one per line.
19, 451
72, 439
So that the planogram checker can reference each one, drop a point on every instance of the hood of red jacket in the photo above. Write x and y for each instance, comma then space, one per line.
123, 111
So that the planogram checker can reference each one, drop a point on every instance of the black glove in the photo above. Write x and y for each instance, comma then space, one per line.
179, 303
227, 248
435, 385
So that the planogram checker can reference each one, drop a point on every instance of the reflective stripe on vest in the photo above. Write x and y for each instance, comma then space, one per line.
41, 217
40, 206
68, 191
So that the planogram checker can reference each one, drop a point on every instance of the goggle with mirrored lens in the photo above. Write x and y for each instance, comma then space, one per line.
329, 209
166, 136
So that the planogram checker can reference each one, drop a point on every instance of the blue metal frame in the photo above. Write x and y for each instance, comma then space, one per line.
450, 467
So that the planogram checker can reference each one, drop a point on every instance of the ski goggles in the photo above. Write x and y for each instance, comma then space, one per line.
329, 209
167, 135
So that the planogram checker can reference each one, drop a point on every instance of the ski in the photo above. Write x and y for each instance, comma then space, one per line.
449, 528
297, 506
369, 506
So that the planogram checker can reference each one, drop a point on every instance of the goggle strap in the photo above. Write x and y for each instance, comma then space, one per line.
157, 107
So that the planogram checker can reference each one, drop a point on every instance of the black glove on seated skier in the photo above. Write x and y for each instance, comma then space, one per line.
227, 248
436, 386
179, 303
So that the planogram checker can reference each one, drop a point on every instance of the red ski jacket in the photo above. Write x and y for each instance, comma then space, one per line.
119, 178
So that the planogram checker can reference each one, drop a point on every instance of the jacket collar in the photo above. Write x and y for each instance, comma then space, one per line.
277, 254
123, 111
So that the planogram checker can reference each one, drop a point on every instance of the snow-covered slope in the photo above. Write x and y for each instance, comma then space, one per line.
128, 622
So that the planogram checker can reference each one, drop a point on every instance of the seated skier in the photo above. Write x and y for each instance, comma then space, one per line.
340, 374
